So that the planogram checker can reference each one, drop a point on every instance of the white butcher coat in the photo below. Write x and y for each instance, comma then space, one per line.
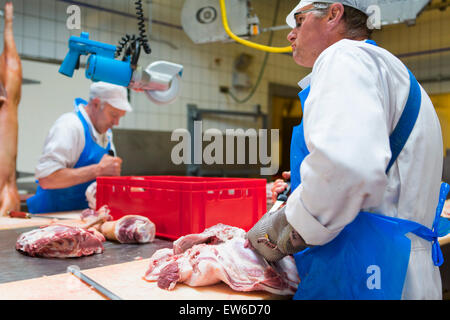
358, 92
65, 143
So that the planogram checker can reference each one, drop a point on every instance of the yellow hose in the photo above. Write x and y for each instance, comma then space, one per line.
245, 42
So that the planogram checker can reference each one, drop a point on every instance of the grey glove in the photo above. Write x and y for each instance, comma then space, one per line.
274, 238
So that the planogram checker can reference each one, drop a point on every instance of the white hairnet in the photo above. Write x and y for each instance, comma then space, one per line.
113, 94
361, 5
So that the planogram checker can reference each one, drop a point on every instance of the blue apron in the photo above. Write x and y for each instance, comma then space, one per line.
369, 258
72, 198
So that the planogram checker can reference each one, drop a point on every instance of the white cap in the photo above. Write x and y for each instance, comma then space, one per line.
361, 5
113, 94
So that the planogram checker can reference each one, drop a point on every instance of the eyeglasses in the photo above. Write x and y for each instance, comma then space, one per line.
299, 19
317, 7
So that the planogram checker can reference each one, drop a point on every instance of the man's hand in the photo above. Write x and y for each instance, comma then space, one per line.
280, 185
109, 166
68, 177
273, 237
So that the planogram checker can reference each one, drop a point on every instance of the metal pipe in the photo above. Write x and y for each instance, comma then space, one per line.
420, 53
437, 79
129, 15
440, 6
275, 28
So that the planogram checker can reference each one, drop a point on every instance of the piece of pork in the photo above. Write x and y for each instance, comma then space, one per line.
129, 229
216, 234
221, 258
90, 214
60, 241
91, 195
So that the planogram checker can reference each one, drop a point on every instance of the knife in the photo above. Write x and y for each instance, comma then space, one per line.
282, 198
22, 215
27, 215
75, 270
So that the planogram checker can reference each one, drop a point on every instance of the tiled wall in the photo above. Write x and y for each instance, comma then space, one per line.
208, 66
40, 31
430, 32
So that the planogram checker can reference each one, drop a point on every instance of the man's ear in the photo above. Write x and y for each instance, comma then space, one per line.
96, 103
335, 13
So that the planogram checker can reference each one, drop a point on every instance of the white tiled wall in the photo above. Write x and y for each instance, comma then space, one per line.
41, 32
430, 32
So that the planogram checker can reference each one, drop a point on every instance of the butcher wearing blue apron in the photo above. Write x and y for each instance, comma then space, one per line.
364, 214
78, 149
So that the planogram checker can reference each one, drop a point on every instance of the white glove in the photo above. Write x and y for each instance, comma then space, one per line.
91, 193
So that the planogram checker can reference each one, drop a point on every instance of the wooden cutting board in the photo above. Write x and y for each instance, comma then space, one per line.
7, 223
125, 280
16, 223
62, 215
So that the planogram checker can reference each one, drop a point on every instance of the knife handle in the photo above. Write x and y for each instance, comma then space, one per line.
283, 196
19, 214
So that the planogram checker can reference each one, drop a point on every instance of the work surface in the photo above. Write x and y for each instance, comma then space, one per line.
120, 268
124, 280
17, 266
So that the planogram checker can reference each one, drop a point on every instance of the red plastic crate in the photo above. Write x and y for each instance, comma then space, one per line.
185, 205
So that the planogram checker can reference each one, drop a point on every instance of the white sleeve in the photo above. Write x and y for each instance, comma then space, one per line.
62, 147
347, 136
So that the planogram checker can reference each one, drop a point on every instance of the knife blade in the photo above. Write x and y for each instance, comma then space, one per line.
75, 270
23, 215
27, 215
282, 198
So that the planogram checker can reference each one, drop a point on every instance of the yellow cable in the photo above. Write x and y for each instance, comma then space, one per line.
245, 42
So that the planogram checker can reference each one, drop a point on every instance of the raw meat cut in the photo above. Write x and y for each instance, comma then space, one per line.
218, 254
85, 214
129, 229
91, 195
10, 94
89, 219
213, 235
60, 241
135, 229
89, 214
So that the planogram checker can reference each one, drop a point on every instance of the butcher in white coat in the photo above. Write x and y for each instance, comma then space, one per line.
78, 149
343, 163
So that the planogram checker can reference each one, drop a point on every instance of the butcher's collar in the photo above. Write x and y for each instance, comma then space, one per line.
98, 137
306, 81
